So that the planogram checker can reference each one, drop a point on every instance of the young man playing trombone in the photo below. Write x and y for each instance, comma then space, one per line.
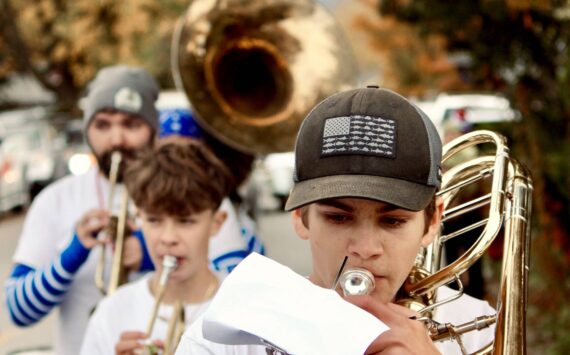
177, 189
367, 170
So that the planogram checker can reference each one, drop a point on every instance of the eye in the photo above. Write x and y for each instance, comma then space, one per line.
152, 219
133, 123
186, 220
337, 218
101, 125
393, 222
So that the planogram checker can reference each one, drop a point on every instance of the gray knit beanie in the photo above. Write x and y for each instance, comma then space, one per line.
122, 88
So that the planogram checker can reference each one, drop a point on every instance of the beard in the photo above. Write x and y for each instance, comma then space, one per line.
104, 162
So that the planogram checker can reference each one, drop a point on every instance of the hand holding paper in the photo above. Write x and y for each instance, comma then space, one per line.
264, 299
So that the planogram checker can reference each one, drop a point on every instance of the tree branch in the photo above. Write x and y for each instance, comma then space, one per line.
16, 46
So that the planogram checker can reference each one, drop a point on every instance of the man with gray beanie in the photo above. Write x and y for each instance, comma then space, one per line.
53, 263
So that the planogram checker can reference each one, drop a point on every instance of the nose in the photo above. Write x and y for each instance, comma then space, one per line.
168, 235
366, 244
117, 137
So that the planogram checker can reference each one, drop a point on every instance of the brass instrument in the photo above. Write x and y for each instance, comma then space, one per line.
252, 69
357, 282
176, 322
116, 233
509, 205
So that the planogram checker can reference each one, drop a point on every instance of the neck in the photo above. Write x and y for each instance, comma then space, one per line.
196, 289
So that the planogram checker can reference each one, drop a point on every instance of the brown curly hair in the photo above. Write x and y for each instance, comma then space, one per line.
177, 178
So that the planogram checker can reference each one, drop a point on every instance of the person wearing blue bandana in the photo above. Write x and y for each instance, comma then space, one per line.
236, 238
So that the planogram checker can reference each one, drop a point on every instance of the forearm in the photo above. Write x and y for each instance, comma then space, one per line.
33, 293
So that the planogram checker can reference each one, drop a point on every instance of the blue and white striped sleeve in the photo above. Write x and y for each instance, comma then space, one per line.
32, 293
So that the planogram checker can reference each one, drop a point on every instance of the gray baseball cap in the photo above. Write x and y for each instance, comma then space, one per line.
123, 88
367, 143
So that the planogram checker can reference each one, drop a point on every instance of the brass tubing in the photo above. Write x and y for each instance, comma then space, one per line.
466, 207
445, 238
510, 334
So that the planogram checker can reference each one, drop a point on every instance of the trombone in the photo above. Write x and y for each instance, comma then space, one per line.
176, 322
116, 232
509, 204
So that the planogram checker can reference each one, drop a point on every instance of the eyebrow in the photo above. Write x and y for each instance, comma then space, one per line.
385, 208
337, 204
112, 111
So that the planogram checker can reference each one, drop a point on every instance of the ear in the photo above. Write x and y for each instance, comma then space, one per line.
218, 219
434, 224
300, 228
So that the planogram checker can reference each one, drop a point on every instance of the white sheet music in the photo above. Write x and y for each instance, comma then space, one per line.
264, 299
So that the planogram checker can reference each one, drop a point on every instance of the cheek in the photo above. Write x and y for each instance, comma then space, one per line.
198, 240
328, 249
151, 245
97, 141
139, 137
402, 252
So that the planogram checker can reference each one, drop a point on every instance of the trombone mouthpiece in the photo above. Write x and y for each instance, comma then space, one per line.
169, 262
168, 265
115, 157
357, 282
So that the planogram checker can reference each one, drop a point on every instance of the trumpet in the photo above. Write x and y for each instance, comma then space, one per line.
509, 204
176, 322
116, 232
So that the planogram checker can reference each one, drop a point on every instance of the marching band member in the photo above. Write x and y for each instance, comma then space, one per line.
53, 265
236, 238
367, 170
177, 189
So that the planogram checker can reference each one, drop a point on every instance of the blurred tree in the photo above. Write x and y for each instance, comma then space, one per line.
519, 48
414, 65
63, 43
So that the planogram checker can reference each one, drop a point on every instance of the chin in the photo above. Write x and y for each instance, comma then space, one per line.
178, 277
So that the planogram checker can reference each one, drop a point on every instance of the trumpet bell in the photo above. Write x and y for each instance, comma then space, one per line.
252, 69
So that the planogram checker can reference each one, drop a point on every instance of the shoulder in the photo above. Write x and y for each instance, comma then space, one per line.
463, 309
70, 184
126, 296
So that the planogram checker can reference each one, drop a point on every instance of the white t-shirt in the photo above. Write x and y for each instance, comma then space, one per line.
462, 310
49, 227
129, 309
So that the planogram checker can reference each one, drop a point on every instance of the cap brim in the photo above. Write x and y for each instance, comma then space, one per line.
401, 193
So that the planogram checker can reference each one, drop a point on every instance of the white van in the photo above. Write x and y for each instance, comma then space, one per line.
477, 108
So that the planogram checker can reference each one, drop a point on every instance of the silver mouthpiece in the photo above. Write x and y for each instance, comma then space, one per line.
357, 282
168, 265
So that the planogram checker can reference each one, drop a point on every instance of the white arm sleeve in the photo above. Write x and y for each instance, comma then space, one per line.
37, 245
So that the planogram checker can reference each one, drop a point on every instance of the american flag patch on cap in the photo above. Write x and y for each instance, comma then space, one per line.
359, 134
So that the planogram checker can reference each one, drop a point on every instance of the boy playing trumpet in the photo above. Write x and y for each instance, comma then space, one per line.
177, 189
